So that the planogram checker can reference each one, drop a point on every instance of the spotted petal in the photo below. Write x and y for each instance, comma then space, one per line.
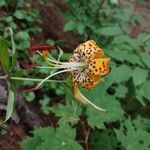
99, 66
86, 79
87, 51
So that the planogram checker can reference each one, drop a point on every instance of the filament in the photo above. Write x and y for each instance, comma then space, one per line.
51, 75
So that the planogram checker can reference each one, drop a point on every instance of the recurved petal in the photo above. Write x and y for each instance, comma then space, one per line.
80, 97
99, 66
88, 50
85, 79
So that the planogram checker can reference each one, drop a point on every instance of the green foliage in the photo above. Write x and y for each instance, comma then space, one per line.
104, 140
62, 137
10, 101
128, 82
5, 60
133, 137
23, 19
8, 60
68, 113
29, 96
124, 92
113, 112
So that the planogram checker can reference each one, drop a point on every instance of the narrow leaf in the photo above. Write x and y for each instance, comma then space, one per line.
14, 54
4, 55
10, 102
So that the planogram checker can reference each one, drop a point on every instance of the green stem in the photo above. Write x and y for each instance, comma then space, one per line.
31, 79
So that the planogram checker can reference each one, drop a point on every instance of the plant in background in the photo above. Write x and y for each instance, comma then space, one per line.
109, 23
22, 18
124, 92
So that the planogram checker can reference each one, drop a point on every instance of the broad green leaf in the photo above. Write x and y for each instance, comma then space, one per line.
9, 19
70, 25
109, 31
2, 3
29, 96
121, 39
118, 55
133, 59
123, 73
140, 98
110, 78
104, 140
121, 91
69, 112
100, 98
139, 76
142, 123
124, 15
143, 90
4, 55
31, 143
114, 1
80, 27
145, 58
22, 35
20, 14
132, 138
62, 138
66, 137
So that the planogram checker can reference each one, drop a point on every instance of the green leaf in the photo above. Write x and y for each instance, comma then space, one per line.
22, 35
143, 91
62, 138
9, 19
29, 96
139, 76
70, 25
109, 31
100, 98
44, 102
20, 14
104, 140
134, 59
2, 3
142, 123
118, 55
145, 58
14, 53
132, 138
80, 28
4, 55
121, 91
31, 143
10, 101
70, 112
123, 73
121, 39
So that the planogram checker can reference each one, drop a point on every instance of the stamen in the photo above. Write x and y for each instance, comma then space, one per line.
51, 75
59, 64
77, 65
51, 60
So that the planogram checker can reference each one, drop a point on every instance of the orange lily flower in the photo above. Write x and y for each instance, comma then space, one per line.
87, 67
95, 67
